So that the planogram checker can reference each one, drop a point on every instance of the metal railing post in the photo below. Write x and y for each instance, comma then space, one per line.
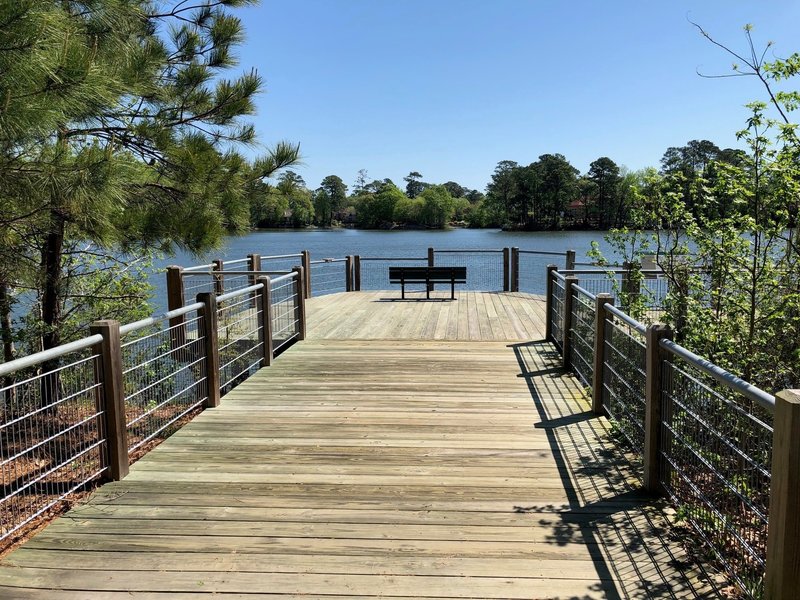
654, 356
599, 351
357, 272
265, 321
300, 309
306, 263
111, 399
548, 304
348, 273
210, 332
570, 260
782, 579
514, 269
219, 281
175, 300
566, 341
506, 269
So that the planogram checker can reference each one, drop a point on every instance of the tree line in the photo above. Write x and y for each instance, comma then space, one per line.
548, 194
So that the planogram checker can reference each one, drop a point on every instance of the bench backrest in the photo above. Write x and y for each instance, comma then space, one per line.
428, 273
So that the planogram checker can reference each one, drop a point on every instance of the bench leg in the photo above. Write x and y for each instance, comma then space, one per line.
452, 289
402, 289
428, 287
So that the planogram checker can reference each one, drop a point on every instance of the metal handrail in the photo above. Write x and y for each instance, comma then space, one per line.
239, 292
199, 267
228, 273
52, 353
236, 261
391, 258
327, 260
543, 252
728, 379
559, 275
281, 279
171, 314
583, 291
625, 318
281, 256
467, 251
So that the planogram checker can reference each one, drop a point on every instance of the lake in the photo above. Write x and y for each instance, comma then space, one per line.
337, 243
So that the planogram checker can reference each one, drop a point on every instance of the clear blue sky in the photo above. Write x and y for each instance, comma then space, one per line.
450, 87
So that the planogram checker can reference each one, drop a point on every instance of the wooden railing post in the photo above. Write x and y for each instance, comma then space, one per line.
357, 272
111, 399
783, 537
431, 263
175, 300
599, 351
265, 321
219, 281
348, 273
506, 269
210, 333
306, 263
253, 265
300, 309
514, 269
570, 260
654, 356
566, 341
548, 304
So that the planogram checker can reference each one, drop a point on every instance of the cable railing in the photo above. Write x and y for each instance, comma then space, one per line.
487, 268
238, 337
163, 373
284, 311
696, 432
624, 376
373, 271
582, 334
717, 452
52, 430
84, 411
329, 276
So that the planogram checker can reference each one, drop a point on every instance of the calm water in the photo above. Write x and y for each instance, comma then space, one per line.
338, 243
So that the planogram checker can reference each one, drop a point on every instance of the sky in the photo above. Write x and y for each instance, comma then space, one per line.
449, 88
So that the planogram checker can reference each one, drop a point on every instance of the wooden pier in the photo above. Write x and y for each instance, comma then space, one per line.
404, 450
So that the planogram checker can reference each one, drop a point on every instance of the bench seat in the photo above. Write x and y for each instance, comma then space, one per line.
429, 276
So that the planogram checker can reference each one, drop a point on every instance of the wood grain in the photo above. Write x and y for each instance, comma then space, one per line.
361, 467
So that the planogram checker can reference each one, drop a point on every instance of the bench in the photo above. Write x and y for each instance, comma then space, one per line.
429, 276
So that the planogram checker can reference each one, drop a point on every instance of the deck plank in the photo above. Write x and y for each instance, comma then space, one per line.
373, 461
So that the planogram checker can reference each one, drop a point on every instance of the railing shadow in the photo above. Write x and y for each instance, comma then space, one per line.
633, 548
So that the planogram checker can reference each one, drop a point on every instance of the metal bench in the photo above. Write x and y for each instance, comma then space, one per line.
429, 276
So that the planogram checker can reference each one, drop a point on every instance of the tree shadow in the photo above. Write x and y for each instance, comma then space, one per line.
634, 551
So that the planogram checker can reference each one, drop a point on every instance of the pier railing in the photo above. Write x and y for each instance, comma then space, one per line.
84, 411
724, 451
489, 269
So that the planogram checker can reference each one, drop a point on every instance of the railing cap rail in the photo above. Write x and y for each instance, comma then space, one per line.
45, 355
626, 318
239, 292
728, 379
584, 291
170, 314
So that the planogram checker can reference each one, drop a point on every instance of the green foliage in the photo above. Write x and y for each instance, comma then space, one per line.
118, 128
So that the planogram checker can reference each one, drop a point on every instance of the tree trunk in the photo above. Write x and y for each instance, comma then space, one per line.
8, 342
52, 253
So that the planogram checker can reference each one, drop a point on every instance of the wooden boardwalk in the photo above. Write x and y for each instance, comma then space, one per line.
376, 467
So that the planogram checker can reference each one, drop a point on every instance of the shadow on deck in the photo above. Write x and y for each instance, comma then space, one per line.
367, 466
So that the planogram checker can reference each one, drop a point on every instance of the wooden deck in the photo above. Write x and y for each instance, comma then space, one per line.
362, 467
